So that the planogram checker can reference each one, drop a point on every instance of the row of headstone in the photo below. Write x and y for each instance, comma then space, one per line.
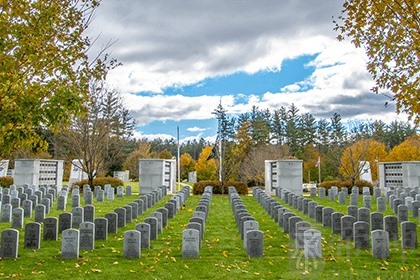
140, 238
360, 223
89, 227
299, 231
193, 234
248, 227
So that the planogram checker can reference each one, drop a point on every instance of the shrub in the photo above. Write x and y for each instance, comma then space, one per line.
101, 181
6, 181
241, 188
341, 184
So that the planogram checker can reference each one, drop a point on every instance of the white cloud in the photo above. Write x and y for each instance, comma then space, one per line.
195, 129
181, 42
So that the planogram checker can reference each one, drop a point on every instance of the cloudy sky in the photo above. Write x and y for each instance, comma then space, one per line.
182, 57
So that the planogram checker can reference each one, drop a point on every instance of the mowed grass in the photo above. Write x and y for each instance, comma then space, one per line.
221, 257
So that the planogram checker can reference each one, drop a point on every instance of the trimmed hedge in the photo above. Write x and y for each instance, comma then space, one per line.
101, 181
6, 181
241, 188
341, 184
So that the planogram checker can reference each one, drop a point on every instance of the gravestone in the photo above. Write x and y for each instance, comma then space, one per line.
15, 202
32, 238
190, 243
353, 211
17, 218
200, 221
361, 237
249, 225
121, 212
89, 213
88, 196
100, 195
313, 192
391, 226
336, 222
363, 215
318, 213
376, 192
408, 235
128, 214
347, 222
9, 243
377, 221
135, 210
255, 243
415, 206
158, 216
50, 228
301, 227
87, 236
40, 213
326, 216
380, 244
110, 193
342, 197
196, 226
64, 221
153, 222
292, 226
77, 216
120, 191
6, 213
144, 229
396, 203
165, 215
305, 206
311, 209
380, 204
312, 244
354, 199
128, 190
70, 244
132, 244
367, 202
286, 217
402, 213
112, 222
101, 228
321, 193
61, 203
75, 200
27, 208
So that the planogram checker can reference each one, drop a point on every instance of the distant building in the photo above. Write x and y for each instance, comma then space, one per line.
39, 172
154, 173
399, 174
122, 175
76, 172
285, 174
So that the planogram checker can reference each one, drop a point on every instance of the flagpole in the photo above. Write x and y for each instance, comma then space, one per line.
319, 169
220, 150
179, 161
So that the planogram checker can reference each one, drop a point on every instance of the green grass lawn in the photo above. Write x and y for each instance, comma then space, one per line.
221, 257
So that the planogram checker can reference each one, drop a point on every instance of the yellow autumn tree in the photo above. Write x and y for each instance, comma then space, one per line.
406, 151
45, 70
363, 150
206, 167
389, 31
187, 165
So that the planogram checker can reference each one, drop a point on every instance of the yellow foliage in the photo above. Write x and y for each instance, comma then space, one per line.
362, 150
406, 151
